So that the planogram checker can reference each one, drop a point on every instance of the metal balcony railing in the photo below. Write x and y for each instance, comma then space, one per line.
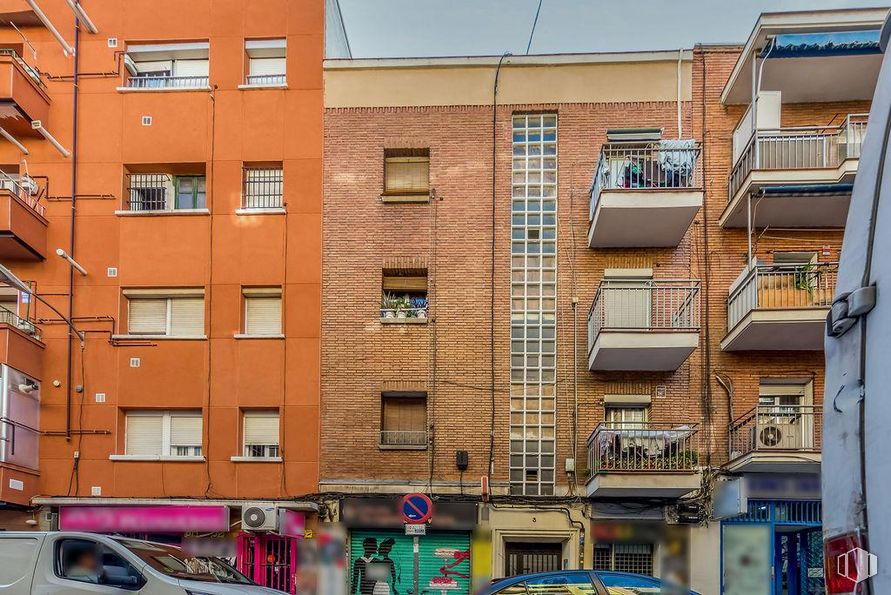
266, 79
807, 147
25, 189
649, 166
263, 188
642, 446
782, 287
12, 319
149, 192
655, 305
32, 72
403, 438
777, 427
168, 82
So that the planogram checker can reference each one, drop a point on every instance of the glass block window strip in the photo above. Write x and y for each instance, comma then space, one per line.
533, 304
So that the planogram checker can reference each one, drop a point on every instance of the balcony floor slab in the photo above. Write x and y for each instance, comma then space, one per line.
641, 350
775, 461
623, 484
797, 329
643, 218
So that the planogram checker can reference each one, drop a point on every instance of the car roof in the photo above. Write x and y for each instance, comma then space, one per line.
512, 580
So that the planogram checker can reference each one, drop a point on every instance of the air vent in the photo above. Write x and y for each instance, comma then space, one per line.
112, 42
146, 120
135, 362
112, 271
100, 397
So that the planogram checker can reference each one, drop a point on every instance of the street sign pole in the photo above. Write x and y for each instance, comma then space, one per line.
417, 548
417, 509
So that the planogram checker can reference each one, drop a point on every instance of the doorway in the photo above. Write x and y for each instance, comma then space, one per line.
526, 557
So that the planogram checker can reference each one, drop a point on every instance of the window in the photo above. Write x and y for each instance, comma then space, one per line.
404, 420
786, 418
266, 62
261, 434
624, 557
623, 584
19, 418
407, 173
87, 561
263, 187
168, 65
159, 315
163, 433
165, 192
404, 295
263, 311
627, 418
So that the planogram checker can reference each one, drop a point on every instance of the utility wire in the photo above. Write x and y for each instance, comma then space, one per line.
534, 23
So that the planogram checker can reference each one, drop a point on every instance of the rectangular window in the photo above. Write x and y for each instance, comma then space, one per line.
404, 295
624, 557
191, 192
164, 433
263, 188
167, 65
627, 418
786, 417
261, 434
407, 172
165, 192
404, 420
174, 316
263, 311
266, 62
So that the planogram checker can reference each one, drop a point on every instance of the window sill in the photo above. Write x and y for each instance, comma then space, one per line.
255, 459
160, 337
264, 211
252, 87
405, 198
166, 212
402, 447
404, 320
261, 337
163, 459
203, 89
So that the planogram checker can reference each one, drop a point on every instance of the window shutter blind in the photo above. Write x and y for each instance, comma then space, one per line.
405, 414
407, 175
155, 66
405, 283
263, 315
190, 68
185, 430
261, 428
266, 66
187, 316
143, 435
147, 316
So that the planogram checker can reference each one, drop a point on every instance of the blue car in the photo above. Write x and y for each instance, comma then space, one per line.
584, 582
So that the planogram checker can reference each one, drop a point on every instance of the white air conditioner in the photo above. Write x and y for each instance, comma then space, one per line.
259, 516
778, 436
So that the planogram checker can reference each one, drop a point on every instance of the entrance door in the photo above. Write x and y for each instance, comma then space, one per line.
526, 557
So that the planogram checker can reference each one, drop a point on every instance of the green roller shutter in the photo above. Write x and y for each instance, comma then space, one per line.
444, 563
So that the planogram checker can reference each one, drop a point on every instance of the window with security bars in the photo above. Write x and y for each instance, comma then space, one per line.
163, 433
156, 315
263, 188
404, 420
263, 312
533, 304
260, 432
166, 192
406, 172
624, 557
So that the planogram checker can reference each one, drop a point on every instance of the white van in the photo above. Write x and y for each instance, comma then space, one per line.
47, 563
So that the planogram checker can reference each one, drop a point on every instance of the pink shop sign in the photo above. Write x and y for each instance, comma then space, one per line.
144, 519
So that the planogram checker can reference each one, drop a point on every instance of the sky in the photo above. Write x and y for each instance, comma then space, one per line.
400, 28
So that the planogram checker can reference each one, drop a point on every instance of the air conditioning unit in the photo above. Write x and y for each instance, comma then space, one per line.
259, 516
778, 436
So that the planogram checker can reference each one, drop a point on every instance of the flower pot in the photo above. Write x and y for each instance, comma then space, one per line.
422, 313
389, 314
401, 314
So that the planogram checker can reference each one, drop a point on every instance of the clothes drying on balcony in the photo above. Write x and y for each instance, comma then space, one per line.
650, 442
677, 155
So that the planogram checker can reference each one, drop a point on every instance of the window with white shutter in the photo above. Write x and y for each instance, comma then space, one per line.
261, 434
266, 61
144, 434
185, 435
147, 316
187, 316
262, 313
157, 315
154, 434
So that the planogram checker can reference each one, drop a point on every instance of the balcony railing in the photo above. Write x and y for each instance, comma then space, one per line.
403, 438
642, 446
266, 79
168, 82
651, 166
657, 305
809, 147
263, 188
782, 287
25, 189
32, 72
777, 427
26, 326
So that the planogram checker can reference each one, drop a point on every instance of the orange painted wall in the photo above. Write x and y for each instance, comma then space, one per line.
220, 251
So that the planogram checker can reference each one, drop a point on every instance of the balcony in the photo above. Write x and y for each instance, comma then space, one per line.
168, 82
20, 344
643, 459
644, 195
19, 436
796, 177
777, 439
22, 95
780, 308
22, 221
643, 325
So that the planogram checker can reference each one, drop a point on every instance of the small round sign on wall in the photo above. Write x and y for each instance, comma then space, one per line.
416, 508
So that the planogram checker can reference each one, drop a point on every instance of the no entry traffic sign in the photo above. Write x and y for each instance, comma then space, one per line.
416, 508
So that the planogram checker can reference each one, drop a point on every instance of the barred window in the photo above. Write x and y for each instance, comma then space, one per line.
624, 557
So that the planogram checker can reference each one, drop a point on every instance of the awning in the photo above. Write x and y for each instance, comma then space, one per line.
838, 43
808, 189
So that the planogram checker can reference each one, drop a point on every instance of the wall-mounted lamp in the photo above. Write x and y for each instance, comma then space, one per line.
38, 126
69, 51
82, 16
64, 255
14, 141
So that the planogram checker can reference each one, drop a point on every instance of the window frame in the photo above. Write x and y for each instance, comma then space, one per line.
245, 415
101, 549
420, 397
166, 416
265, 293
168, 329
196, 180
391, 155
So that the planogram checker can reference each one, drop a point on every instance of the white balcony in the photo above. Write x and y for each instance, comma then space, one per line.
643, 325
776, 439
643, 459
795, 177
644, 194
780, 308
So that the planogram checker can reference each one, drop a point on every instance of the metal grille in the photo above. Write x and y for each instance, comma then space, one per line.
149, 192
269, 560
777, 427
603, 557
533, 304
403, 438
26, 326
167, 82
624, 557
266, 79
525, 558
263, 188
642, 446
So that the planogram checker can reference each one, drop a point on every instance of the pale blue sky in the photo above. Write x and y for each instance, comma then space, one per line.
390, 28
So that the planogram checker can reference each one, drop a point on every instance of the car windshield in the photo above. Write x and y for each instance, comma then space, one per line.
172, 561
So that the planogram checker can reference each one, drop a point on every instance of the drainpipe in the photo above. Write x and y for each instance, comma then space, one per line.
76, 94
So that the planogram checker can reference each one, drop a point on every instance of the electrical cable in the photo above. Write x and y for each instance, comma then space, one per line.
534, 23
